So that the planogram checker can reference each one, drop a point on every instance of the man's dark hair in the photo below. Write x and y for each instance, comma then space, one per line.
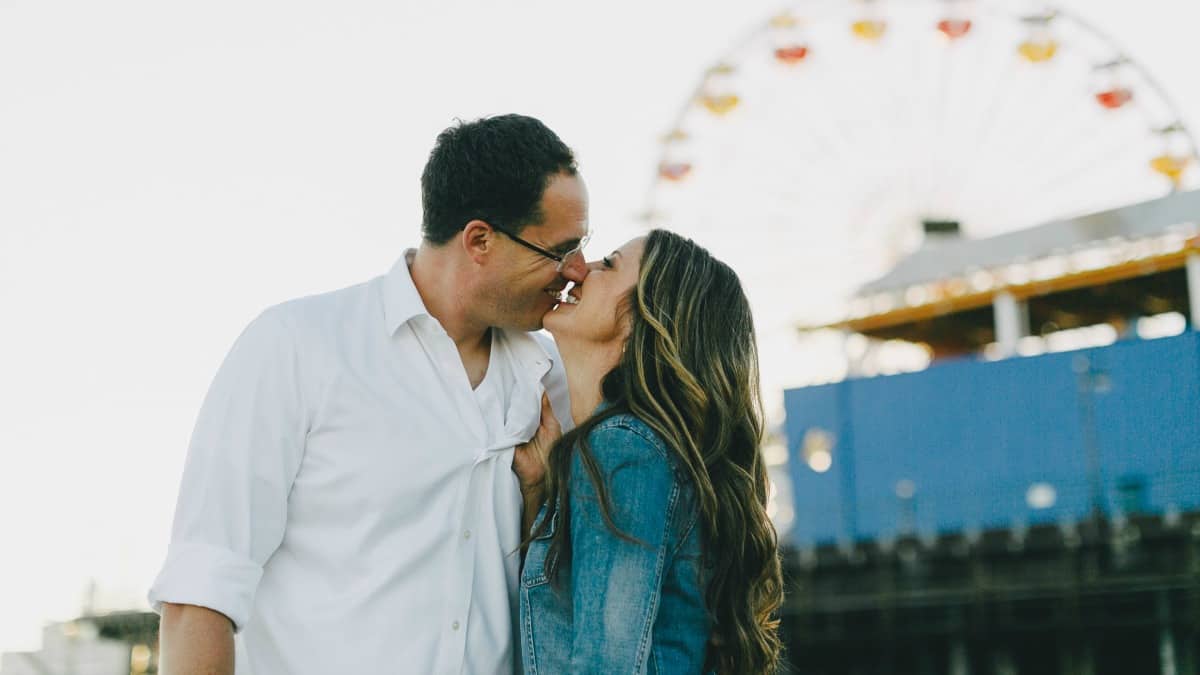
493, 169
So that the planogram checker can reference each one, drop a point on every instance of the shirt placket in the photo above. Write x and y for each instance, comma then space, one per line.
460, 579
461, 584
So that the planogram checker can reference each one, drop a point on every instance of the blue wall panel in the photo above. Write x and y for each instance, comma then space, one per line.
973, 437
820, 511
1147, 398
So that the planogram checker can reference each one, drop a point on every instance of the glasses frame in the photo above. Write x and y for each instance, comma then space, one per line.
560, 260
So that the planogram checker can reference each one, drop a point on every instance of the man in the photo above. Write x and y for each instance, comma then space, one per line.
352, 496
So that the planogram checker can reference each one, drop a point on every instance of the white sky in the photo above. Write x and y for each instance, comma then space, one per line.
168, 170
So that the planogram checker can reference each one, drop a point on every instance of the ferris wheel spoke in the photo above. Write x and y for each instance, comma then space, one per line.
843, 152
1076, 196
923, 128
951, 107
1063, 138
826, 142
933, 157
980, 154
1084, 168
832, 134
1092, 170
1081, 140
997, 103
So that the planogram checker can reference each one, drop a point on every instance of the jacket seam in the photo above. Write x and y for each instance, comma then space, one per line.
531, 650
539, 578
687, 532
656, 597
651, 438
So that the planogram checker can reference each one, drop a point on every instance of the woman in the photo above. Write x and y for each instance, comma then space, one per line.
653, 552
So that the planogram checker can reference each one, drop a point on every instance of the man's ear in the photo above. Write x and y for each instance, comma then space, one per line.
477, 239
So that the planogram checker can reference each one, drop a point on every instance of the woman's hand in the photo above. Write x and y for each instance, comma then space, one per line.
530, 459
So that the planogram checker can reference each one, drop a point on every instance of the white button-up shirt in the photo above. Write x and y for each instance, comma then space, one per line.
345, 501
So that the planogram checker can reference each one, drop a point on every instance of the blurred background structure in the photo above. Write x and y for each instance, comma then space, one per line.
968, 229
112, 643
1001, 472
845, 135
1030, 502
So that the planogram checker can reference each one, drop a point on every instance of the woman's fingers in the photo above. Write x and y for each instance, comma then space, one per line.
549, 421
530, 459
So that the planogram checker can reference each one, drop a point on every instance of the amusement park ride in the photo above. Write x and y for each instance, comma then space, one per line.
985, 213
818, 148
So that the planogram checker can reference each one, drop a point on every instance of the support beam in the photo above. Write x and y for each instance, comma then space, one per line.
1012, 322
1087, 661
959, 663
1166, 651
1166, 637
1002, 663
1075, 657
1193, 284
1186, 656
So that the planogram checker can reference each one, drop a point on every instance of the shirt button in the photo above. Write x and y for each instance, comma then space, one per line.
454, 625
467, 534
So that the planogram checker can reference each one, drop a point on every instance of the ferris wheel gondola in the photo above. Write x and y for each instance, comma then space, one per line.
837, 129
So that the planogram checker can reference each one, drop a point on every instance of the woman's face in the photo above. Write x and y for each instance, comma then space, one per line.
596, 316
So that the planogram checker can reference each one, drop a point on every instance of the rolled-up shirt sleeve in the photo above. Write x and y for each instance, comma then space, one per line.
244, 454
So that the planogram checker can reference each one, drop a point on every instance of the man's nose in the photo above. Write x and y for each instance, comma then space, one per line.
576, 269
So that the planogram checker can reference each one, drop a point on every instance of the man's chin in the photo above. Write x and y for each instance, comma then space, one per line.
529, 323
532, 324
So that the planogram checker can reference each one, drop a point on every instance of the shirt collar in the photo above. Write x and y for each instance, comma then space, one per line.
529, 352
401, 301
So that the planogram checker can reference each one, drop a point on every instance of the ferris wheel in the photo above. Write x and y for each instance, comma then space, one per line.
819, 149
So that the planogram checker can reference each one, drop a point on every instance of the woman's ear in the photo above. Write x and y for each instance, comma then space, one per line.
625, 310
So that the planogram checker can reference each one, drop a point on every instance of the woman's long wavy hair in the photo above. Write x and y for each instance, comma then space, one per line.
690, 371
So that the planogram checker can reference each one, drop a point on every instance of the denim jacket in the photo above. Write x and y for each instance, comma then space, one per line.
619, 606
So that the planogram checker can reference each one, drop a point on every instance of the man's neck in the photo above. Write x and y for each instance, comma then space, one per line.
439, 283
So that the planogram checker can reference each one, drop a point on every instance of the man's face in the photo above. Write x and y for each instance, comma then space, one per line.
523, 283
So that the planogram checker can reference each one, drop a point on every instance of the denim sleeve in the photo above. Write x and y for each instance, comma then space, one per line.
616, 582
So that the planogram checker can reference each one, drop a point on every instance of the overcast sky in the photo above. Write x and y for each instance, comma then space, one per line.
167, 170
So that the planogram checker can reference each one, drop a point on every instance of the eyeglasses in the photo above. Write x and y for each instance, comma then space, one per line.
562, 259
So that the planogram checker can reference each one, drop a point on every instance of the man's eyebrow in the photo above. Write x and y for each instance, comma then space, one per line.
567, 245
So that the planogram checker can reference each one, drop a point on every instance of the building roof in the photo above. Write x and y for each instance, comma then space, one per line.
954, 258
1104, 268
